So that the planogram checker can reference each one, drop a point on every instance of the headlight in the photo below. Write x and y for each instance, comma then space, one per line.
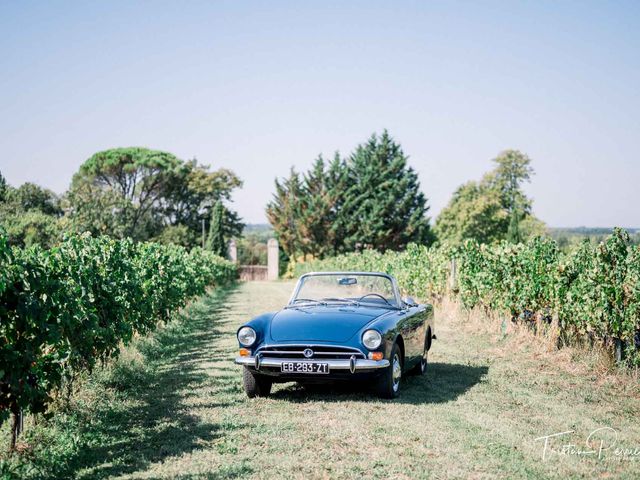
246, 336
371, 339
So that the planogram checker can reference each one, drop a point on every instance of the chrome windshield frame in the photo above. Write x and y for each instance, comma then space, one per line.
394, 284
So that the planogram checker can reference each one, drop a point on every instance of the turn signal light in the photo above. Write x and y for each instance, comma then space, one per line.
245, 352
375, 355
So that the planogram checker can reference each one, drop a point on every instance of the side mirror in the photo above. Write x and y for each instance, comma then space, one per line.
409, 302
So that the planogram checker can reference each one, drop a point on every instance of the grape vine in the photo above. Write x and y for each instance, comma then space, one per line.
593, 292
65, 309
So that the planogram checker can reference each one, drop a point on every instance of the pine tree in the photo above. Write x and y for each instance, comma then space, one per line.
336, 179
383, 205
216, 241
284, 212
370, 200
320, 206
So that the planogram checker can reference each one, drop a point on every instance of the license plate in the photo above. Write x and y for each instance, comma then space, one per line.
304, 367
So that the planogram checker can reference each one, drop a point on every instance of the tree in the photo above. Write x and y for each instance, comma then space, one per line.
494, 209
513, 169
98, 210
30, 196
3, 188
323, 189
284, 212
30, 215
138, 193
474, 212
233, 225
192, 194
370, 200
383, 207
176, 235
216, 242
27, 228
137, 179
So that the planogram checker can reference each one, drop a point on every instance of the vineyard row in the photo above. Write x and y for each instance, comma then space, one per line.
593, 292
65, 309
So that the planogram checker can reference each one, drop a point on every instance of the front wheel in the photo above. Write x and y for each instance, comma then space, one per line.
389, 382
255, 385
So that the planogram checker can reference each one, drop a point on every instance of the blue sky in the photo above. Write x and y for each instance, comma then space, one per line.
260, 86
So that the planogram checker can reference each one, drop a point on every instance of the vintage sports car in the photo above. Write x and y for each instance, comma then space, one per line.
338, 326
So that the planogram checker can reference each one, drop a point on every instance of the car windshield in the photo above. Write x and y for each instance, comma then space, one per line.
353, 288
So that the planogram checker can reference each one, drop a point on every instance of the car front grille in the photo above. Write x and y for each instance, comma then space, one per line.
320, 352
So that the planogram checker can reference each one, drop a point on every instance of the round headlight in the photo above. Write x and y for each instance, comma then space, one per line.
371, 339
246, 336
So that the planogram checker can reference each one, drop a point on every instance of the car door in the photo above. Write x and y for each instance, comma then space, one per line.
412, 328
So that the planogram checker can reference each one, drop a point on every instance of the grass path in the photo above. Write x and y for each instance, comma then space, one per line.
476, 414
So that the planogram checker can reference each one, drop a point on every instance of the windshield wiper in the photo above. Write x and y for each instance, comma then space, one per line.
350, 301
379, 305
304, 301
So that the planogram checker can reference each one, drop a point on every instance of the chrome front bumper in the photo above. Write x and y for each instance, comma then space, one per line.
353, 364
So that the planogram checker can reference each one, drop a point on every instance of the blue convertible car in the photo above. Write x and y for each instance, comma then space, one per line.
338, 326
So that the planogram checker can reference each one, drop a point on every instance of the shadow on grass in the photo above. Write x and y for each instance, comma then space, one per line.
443, 382
146, 421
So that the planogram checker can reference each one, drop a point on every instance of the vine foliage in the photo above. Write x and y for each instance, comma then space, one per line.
65, 309
593, 291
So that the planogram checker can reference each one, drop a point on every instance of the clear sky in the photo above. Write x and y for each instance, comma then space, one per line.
259, 87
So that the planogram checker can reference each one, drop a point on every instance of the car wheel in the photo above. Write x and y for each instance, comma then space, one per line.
255, 385
421, 368
389, 381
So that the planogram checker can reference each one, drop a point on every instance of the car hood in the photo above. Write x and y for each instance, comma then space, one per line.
321, 323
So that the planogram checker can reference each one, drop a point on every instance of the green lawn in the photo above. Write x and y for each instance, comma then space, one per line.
174, 407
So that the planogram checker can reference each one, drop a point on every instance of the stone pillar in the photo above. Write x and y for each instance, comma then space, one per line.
273, 256
233, 251
453, 276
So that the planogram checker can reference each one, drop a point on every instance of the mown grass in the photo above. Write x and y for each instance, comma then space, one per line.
129, 415
173, 407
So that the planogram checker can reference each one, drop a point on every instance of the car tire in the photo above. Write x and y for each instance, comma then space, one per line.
421, 368
255, 385
389, 381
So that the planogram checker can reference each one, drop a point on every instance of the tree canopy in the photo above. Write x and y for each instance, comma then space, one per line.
473, 212
370, 199
383, 205
30, 214
148, 194
494, 209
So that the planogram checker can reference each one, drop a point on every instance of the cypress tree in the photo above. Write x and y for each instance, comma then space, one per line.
216, 241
